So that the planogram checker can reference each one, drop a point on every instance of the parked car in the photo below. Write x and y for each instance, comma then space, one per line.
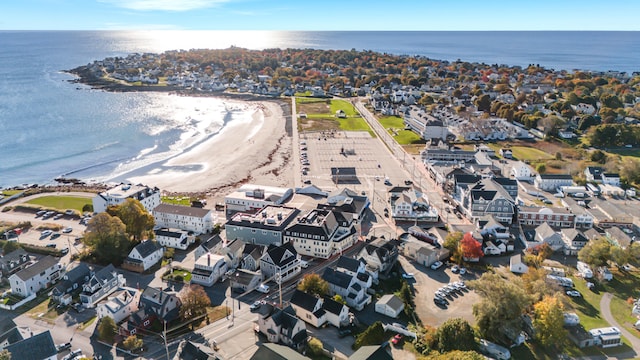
256, 305
58, 217
69, 212
463, 271
408, 275
63, 347
55, 236
574, 293
73, 354
51, 245
436, 265
46, 233
41, 212
455, 269
440, 301
304, 264
396, 339
344, 332
263, 289
64, 251
67, 230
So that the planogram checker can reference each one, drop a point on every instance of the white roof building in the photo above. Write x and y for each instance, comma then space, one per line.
149, 197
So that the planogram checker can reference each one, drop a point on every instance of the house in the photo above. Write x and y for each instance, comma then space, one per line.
208, 269
545, 234
516, 265
174, 238
414, 206
143, 256
251, 255
488, 197
389, 305
348, 287
10, 333
619, 237
198, 220
40, 346
71, 281
522, 172
371, 352
280, 262
36, 277
162, 305
212, 245
264, 227
606, 337
244, 280
232, 252
282, 326
424, 254
574, 240
506, 153
322, 233
119, 305
380, 254
251, 198
424, 124
148, 197
611, 179
554, 216
270, 351
308, 308
346, 201
100, 285
593, 174
194, 351
579, 336
337, 313
355, 268
551, 182
13, 262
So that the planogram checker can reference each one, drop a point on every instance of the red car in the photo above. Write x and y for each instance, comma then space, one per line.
396, 339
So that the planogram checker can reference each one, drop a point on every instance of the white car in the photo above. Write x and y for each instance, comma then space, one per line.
436, 265
67, 230
304, 264
408, 275
462, 271
573, 293
263, 289
46, 233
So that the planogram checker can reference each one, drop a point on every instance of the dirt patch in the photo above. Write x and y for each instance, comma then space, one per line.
322, 124
314, 108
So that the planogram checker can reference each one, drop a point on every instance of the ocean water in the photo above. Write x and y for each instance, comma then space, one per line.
51, 127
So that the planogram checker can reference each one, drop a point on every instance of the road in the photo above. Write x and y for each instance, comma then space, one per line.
605, 308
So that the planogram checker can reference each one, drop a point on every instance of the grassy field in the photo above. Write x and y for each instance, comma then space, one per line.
389, 122
61, 202
354, 124
176, 200
531, 154
407, 137
10, 192
345, 106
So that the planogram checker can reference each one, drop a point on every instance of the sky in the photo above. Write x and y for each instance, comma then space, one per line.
322, 15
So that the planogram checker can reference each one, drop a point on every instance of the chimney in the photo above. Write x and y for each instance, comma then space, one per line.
209, 259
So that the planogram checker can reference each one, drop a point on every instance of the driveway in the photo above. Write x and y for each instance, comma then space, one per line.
605, 308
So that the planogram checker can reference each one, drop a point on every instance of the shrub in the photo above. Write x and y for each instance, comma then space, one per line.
315, 347
178, 278
373, 335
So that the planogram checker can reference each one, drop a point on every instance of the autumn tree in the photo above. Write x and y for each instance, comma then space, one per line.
107, 329
455, 334
548, 322
313, 284
596, 253
452, 243
535, 283
194, 302
315, 346
132, 342
339, 299
136, 218
503, 302
5, 355
541, 168
470, 248
107, 239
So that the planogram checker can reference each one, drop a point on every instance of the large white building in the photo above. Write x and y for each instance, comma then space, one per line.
322, 233
251, 198
149, 197
119, 305
188, 218
425, 125
208, 269
35, 277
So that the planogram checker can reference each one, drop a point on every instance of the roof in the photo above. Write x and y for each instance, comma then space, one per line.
556, 177
182, 210
371, 352
73, 276
42, 265
271, 351
212, 242
337, 278
278, 254
39, 346
194, 351
147, 247
304, 300
244, 276
322, 223
332, 306
392, 301
172, 233
347, 263
545, 231
15, 255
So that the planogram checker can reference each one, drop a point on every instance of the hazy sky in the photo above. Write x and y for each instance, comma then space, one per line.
320, 15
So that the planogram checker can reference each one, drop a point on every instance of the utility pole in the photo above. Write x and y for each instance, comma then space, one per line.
280, 285
166, 347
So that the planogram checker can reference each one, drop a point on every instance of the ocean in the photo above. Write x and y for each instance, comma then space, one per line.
50, 127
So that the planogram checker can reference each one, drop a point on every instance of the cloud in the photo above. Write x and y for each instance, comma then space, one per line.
165, 5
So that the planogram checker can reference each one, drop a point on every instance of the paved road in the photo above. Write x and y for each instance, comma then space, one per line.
605, 308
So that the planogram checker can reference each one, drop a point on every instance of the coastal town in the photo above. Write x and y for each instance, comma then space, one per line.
389, 207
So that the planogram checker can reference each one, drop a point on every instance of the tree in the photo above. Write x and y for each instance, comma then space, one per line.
598, 156
107, 239
338, 298
452, 243
630, 170
541, 168
5, 355
10, 246
619, 255
406, 295
132, 342
455, 334
107, 329
596, 253
503, 302
194, 302
313, 284
315, 346
136, 218
373, 335
548, 322
470, 248
483, 103
535, 283
458, 355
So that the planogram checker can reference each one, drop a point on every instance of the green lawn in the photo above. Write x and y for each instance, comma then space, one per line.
186, 275
406, 137
354, 124
527, 153
391, 122
345, 106
10, 192
176, 200
61, 202
631, 152
301, 99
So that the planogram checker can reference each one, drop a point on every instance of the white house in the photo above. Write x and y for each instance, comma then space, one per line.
251, 197
119, 305
611, 179
348, 287
522, 172
389, 305
174, 238
188, 218
102, 284
143, 256
308, 308
516, 265
244, 280
208, 269
322, 233
607, 337
337, 314
148, 197
551, 182
282, 326
35, 277
412, 205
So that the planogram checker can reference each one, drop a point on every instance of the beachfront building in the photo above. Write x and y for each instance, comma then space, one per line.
251, 198
188, 218
322, 233
265, 227
425, 125
148, 197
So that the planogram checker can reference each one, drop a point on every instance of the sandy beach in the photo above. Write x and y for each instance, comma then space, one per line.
256, 151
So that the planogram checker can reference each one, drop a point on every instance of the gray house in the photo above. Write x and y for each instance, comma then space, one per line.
265, 227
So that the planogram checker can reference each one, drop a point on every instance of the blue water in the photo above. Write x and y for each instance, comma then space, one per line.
51, 127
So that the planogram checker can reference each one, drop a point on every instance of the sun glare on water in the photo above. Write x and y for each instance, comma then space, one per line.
163, 40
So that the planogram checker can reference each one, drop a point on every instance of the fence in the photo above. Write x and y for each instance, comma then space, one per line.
19, 303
